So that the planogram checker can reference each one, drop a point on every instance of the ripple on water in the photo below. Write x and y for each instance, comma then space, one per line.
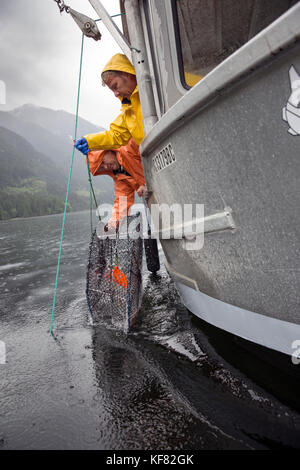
5, 267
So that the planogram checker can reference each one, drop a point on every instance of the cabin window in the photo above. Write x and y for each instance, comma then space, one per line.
208, 31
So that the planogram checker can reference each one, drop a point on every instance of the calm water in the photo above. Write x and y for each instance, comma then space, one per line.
161, 387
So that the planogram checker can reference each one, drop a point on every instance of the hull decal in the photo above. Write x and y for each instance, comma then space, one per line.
164, 158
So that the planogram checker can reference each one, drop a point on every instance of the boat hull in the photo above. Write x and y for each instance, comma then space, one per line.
235, 154
269, 332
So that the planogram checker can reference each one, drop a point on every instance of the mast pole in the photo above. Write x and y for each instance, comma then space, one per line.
141, 63
136, 53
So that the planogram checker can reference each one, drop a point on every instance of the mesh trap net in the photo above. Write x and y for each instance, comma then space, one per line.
114, 278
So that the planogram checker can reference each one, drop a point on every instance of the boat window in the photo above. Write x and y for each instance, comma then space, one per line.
208, 31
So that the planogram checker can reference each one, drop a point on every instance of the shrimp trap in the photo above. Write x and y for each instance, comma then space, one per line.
114, 277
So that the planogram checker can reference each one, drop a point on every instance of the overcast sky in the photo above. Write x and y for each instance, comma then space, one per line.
40, 53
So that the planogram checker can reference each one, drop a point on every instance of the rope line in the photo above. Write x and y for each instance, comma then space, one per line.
68, 190
92, 192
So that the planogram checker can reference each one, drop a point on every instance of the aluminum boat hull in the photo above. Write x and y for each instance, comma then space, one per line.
236, 154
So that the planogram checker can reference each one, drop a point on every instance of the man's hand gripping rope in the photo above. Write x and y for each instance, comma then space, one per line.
82, 145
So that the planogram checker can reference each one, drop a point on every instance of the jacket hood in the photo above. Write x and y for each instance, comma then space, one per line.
95, 160
120, 63
128, 156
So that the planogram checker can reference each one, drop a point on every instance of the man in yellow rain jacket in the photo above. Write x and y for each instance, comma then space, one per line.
125, 167
119, 75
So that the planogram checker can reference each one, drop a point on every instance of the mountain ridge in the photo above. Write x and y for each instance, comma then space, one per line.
31, 173
50, 132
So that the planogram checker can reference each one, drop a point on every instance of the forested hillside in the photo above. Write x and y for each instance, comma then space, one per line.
30, 183
35, 155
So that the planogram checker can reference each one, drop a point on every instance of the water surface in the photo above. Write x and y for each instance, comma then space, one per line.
160, 387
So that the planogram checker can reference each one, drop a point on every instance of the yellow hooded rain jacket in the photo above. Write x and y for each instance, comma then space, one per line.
129, 123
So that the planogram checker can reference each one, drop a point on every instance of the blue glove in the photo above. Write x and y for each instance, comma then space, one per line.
82, 145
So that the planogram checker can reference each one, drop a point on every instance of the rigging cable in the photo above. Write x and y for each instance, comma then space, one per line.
68, 190
63, 7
